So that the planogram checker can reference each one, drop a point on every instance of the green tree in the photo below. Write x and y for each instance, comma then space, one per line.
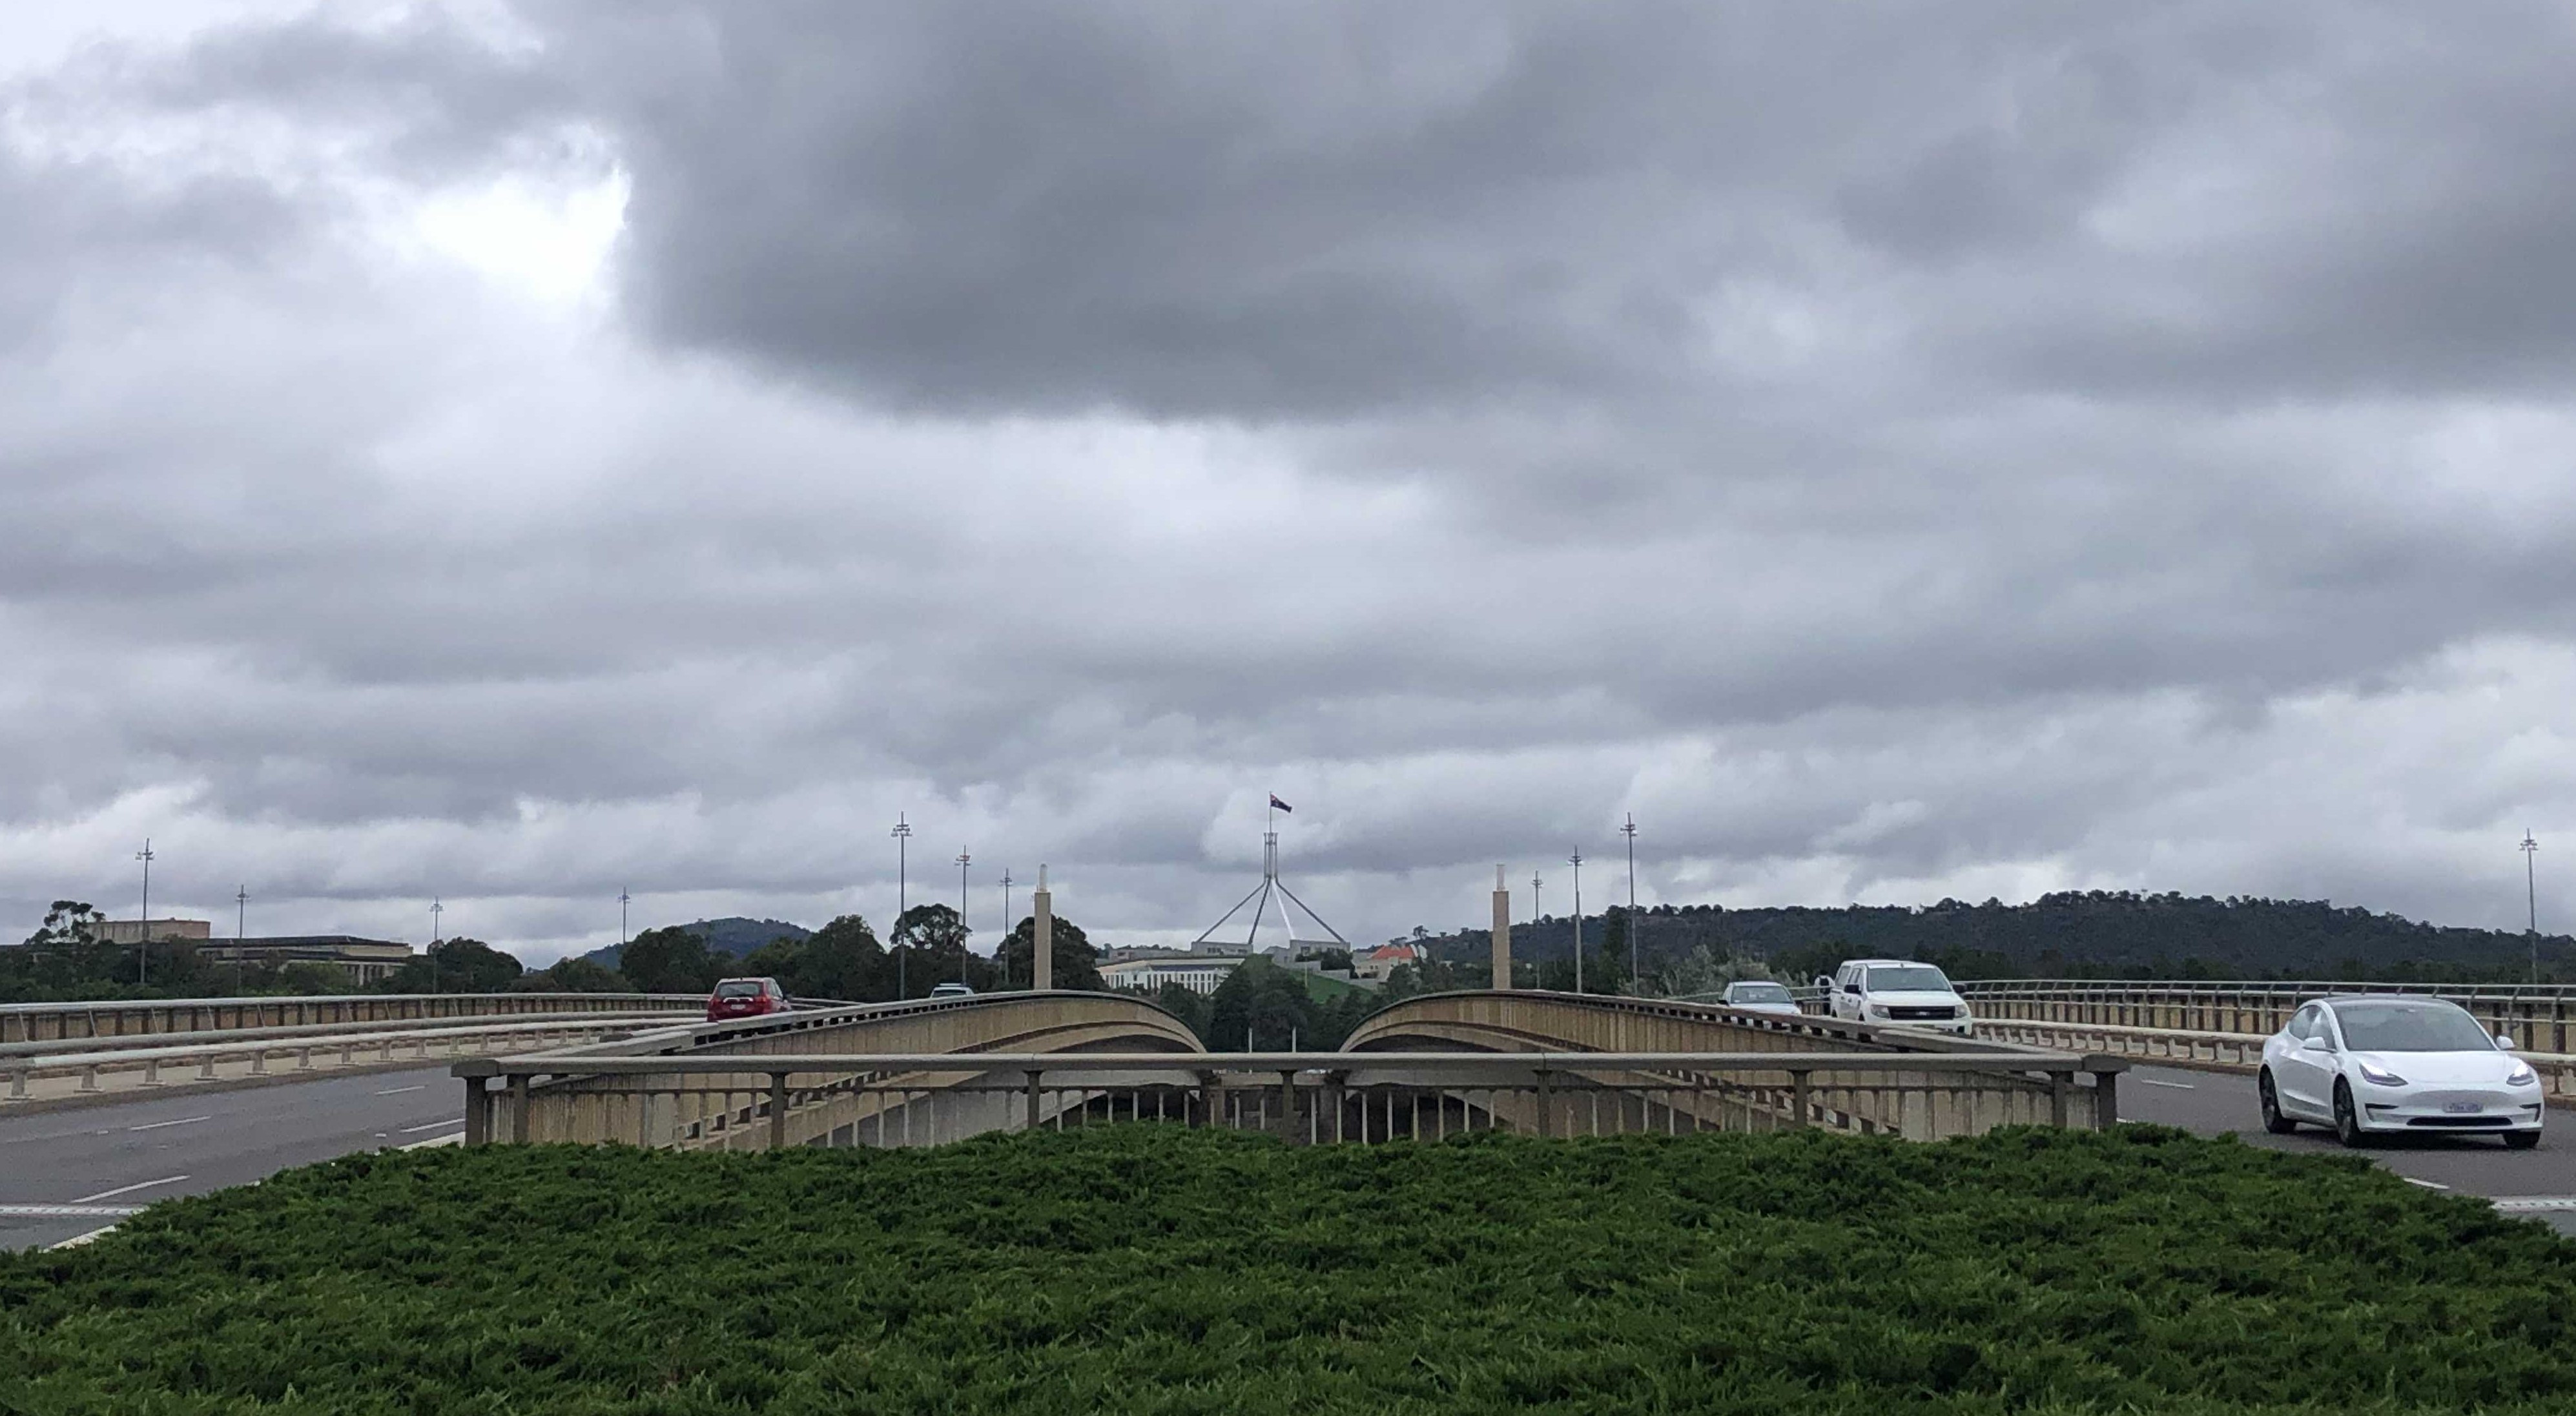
574, 974
670, 960
1186, 1004
1260, 1007
1077, 964
929, 946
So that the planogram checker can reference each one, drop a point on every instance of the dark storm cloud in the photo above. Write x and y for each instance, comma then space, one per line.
1289, 211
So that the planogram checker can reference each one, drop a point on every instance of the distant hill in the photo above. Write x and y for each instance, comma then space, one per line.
2095, 933
732, 935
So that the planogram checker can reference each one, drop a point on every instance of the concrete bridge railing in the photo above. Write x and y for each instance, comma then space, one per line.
676, 1087
1305, 1098
63, 1022
1922, 1085
2535, 1016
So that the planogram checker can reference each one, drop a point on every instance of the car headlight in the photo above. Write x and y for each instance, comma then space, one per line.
2378, 1078
2521, 1077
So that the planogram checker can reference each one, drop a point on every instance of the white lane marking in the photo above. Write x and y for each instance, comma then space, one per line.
77, 1240
456, 1138
2427, 1184
2534, 1204
2177, 1086
182, 1121
68, 1211
433, 1125
130, 1189
397, 1091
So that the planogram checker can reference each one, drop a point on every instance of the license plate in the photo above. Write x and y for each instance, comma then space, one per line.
2462, 1108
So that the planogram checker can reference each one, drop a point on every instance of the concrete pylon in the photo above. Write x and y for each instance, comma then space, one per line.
1042, 938
1502, 931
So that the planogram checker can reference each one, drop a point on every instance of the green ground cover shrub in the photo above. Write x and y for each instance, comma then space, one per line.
1152, 1269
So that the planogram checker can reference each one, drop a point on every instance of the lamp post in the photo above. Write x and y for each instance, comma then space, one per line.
143, 938
622, 898
1002, 951
902, 844
435, 910
2531, 897
962, 931
1630, 831
1576, 860
241, 916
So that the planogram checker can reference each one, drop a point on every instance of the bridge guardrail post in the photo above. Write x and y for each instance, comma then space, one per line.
2106, 1089
1036, 1103
1288, 1105
1546, 1104
1798, 1113
478, 1108
520, 1121
778, 1111
2060, 1084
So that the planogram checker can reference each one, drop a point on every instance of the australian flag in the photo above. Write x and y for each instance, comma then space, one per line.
1277, 805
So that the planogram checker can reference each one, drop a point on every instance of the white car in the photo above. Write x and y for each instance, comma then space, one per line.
1758, 996
953, 988
2383, 1065
1898, 991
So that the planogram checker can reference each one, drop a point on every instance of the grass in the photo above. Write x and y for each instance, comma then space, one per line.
1325, 990
1145, 1269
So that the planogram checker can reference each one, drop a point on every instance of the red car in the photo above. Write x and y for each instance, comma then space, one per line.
745, 998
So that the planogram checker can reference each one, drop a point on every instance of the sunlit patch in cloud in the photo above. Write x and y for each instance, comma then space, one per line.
551, 242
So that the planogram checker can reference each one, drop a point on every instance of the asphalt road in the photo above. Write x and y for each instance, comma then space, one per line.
2217, 1103
135, 1152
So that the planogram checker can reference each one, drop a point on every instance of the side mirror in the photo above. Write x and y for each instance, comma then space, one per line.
2316, 1044
1852, 988
2504, 1042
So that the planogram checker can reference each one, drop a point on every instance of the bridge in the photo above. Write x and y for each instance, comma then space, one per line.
326, 1076
1550, 1064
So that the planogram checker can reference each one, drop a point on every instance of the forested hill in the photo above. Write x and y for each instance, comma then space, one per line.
731, 935
2094, 933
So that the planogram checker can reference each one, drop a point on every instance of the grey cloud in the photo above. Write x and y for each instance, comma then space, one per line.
1848, 438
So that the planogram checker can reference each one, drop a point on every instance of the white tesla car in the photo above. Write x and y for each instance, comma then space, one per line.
2383, 1065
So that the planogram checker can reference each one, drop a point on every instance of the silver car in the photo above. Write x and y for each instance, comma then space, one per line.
1759, 996
2393, 1064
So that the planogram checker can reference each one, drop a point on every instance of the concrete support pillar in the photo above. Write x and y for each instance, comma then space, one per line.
1502, 931
1042, 936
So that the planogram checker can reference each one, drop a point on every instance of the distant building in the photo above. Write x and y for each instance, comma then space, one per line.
1199, 973
137, 931
363, 960
1379, 962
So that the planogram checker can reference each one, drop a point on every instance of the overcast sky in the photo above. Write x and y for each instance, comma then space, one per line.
515, 452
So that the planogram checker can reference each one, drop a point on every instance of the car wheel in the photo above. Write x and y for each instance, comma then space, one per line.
2521, 1140
2273, 1120
2347, 1120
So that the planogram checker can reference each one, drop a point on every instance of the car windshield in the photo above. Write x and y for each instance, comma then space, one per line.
1758, 993
1908, 978
738, 988
2411, 1027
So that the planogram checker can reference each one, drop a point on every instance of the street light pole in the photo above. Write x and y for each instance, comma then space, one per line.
902, 844
1630, 831
2531, 897
1576, 860
241, 916
962, 931
1002, 951
622, 898
435, 910
143, 940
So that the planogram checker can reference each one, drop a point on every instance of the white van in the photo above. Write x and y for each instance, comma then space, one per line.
1898, 991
